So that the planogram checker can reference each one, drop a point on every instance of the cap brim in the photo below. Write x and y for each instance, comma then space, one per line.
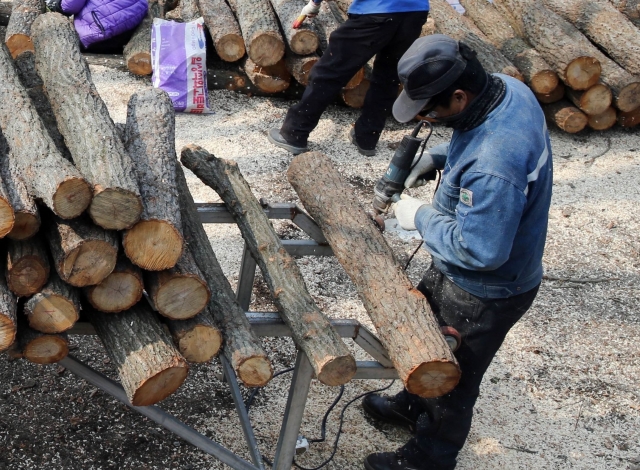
405, 109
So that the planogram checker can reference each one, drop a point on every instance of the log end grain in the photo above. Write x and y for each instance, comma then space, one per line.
630, 118
555, 95
201, 344
595, 100
26, 225
27, 276
51, 313
118, 292
7, 217
603, 121
160, 386
270, 79
266, 49
355, 80
71, 198
583, 72
115, 209
433, 379
140, 64
544, 82
154, 245
230, 47
568, 118
303, 42
7, 332
354, 98
304, 72
338, 371
18, 44
46, 349
629, 97
88, 264
255, 371
181, 297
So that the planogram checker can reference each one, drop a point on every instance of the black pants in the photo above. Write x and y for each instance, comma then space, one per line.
443, 423
351, 46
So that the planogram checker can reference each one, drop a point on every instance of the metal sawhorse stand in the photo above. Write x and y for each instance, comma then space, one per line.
264, 324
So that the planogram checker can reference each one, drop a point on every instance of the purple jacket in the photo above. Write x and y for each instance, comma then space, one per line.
98, 20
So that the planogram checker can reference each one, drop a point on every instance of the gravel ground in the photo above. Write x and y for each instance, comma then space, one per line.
561, 393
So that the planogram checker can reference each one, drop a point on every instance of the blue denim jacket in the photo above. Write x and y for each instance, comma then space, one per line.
487, 225
368, 7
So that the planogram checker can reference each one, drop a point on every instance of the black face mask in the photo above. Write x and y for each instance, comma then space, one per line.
473, 115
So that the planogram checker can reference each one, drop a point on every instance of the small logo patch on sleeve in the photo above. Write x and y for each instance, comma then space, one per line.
466, 197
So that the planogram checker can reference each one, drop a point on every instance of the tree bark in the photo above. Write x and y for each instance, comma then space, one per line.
187, 10
42, 348
241, 346
18, 35
303, 40
311, 330
149, 366
5, 12
300, 66
260, 30
180, 292
567, 117
401, 314
224, 29
7, 215
555, 95
354, 97
629, 119
593, 101
197, 338
100, 154
604, 120
324, 24
137, 52
272, 79
537, 73
54, 309
8, 314
27, 266
120, 290
83, 254
63, 190
155, 243
512, 11
631, 8
451, 23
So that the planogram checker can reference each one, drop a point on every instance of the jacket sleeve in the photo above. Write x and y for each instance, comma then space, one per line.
439, 154
481, 234
72, 7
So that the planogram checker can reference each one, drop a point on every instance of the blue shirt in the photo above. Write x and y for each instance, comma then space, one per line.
367, 7
487, 225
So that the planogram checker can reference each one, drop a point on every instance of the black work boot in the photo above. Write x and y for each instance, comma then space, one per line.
387, 410
276, 138
363, 151
388, 461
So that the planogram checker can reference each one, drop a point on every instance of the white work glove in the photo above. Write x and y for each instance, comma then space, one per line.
406, 209
425, 165
311, 9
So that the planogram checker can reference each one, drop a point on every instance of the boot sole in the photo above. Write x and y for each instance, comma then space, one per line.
288, 147
366, 153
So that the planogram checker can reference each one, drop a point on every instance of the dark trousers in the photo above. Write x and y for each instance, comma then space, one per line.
351, 46
443, 423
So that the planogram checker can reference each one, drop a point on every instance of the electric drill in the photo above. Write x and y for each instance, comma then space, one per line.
392, 182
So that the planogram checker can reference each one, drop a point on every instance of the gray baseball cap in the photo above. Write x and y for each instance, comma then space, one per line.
429, 67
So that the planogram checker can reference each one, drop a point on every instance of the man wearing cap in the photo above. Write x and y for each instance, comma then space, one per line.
384, 28
485, 230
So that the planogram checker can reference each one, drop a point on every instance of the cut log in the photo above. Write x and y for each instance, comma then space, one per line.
185, 11
629, 119
260, 30
428, 28
631, 8
567, 117
272, 79
27, 266
537, 73
83, 254
54, 309
7, 215
595, 100
401, 314
155, 243
8, 313
180, 292
343, 5
300, 67
311, 330
197, 338
512, 11
100, 154
603, 121
42, 348
63, 190
137, 52
302, 40
18, 35
149, 366
324, 24
556, 94
5, 12
224, 29
120, 290
354, 97
451, 23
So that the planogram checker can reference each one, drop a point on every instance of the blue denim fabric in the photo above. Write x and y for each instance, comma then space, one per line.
368, 7
490, 242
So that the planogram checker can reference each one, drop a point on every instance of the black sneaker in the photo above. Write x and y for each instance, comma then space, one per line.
388, 461
276, 139
365, 152
385, 409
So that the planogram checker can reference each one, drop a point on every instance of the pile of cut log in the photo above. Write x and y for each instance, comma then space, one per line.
100, 227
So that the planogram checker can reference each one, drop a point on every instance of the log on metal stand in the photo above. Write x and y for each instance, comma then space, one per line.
260, 30
401, 314
8, 313
100, 154
23, 14
83, 254
63, 190
197, 338
311, 330
593, 101
27, 266
54, 309
149, 366
120, 290
224, 29
155, 243
271, 79
555, 95
137, 52
303, 40
567, 117
604, 120
41, 348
